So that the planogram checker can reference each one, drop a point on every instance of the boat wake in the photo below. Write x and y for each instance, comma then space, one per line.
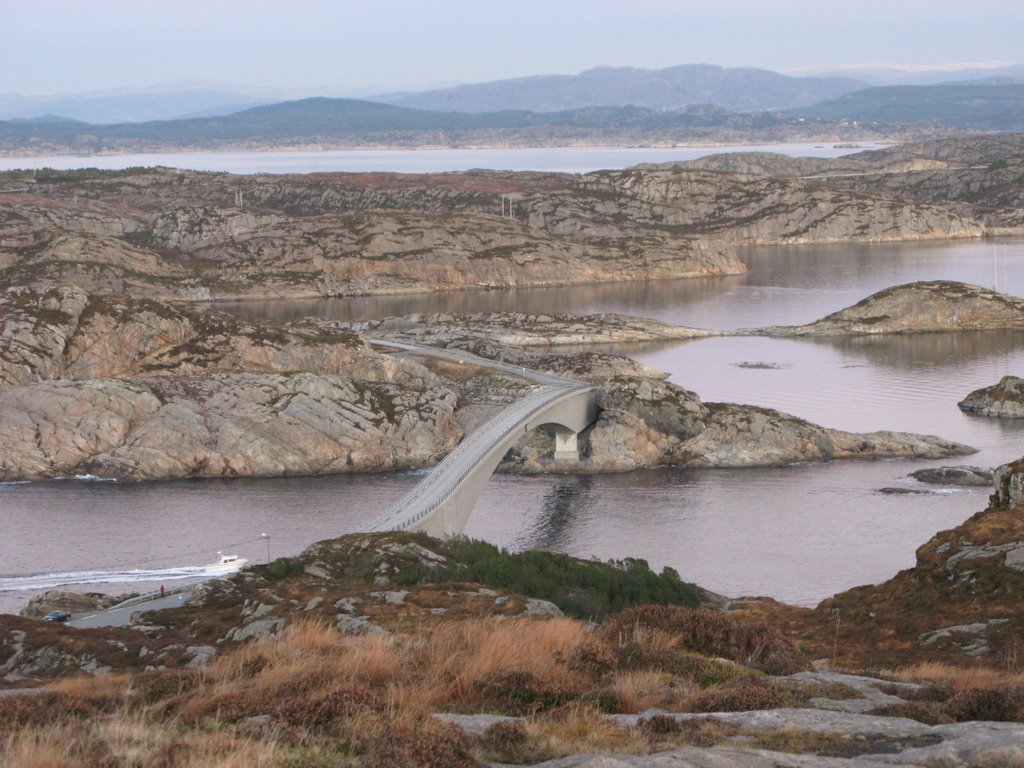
37, 581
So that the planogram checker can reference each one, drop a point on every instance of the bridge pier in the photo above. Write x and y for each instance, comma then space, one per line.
566, 445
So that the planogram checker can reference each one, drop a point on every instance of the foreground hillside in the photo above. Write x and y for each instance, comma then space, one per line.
398, 650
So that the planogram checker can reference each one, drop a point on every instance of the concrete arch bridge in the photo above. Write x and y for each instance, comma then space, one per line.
442, 502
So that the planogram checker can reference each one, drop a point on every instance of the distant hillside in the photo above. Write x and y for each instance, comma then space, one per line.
881, 75
130, 106
348, 123
737, 90
320, 117
978, 107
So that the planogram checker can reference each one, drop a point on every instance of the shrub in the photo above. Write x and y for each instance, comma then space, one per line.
927, 712
659, 725
580, 588
711, 634
153, 687
414, 742
518, 693
319, 710
509, 742
742, 695
283, 567
591, 659
987, 704
18, 712
661, 730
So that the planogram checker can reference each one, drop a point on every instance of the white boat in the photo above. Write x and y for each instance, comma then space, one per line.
224, 565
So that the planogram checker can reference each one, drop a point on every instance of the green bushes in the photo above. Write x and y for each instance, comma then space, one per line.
283, 567
580, 588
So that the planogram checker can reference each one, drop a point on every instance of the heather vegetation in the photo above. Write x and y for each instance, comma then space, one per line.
313, 696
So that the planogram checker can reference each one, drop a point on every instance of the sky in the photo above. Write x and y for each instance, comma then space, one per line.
356, 47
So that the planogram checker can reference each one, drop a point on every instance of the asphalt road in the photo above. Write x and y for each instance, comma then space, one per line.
120, 616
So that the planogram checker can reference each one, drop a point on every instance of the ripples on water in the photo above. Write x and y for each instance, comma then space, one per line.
797, 533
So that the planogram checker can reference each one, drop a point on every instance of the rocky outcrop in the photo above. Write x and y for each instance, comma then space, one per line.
223, 424
938, 305
168, 234
67, 333
517, 329
748, 436
205, 249
962, 476
1008, 480
136, 389
1004, 399
647, 423
72, 602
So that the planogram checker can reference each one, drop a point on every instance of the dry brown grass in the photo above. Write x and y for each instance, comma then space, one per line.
87, 687
456, 661
639, 690
959, 678
451, 665
131, 740
583, 730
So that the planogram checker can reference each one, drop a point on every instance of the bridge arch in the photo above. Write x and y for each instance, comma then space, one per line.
443, 501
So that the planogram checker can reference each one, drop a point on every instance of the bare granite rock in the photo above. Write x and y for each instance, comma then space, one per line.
1004, 399
222, 424
647, 422
1008, 480
749, 436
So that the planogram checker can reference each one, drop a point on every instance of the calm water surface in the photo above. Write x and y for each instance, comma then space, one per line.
797, 533
554, 159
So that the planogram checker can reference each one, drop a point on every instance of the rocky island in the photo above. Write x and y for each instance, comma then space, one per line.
924, 307
1004, 399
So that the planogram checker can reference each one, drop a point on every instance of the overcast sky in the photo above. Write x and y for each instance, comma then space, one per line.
80, 45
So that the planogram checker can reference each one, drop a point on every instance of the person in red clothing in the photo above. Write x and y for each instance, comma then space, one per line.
161, 590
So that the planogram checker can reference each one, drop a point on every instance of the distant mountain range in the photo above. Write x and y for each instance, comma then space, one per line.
967, 73
135, 105
737, 90
890, 113
325, 117
741, 90
978, 107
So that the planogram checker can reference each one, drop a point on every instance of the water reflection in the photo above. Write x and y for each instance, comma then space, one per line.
785, 286
938, 350
568, 498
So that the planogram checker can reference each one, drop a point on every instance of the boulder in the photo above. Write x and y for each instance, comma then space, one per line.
964, 476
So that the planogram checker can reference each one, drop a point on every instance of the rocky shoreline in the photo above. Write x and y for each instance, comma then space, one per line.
179, 235
203, 394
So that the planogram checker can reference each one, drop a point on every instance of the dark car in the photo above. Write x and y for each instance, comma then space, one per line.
57, 616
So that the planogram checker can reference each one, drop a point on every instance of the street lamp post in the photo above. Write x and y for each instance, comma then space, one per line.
266, 537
